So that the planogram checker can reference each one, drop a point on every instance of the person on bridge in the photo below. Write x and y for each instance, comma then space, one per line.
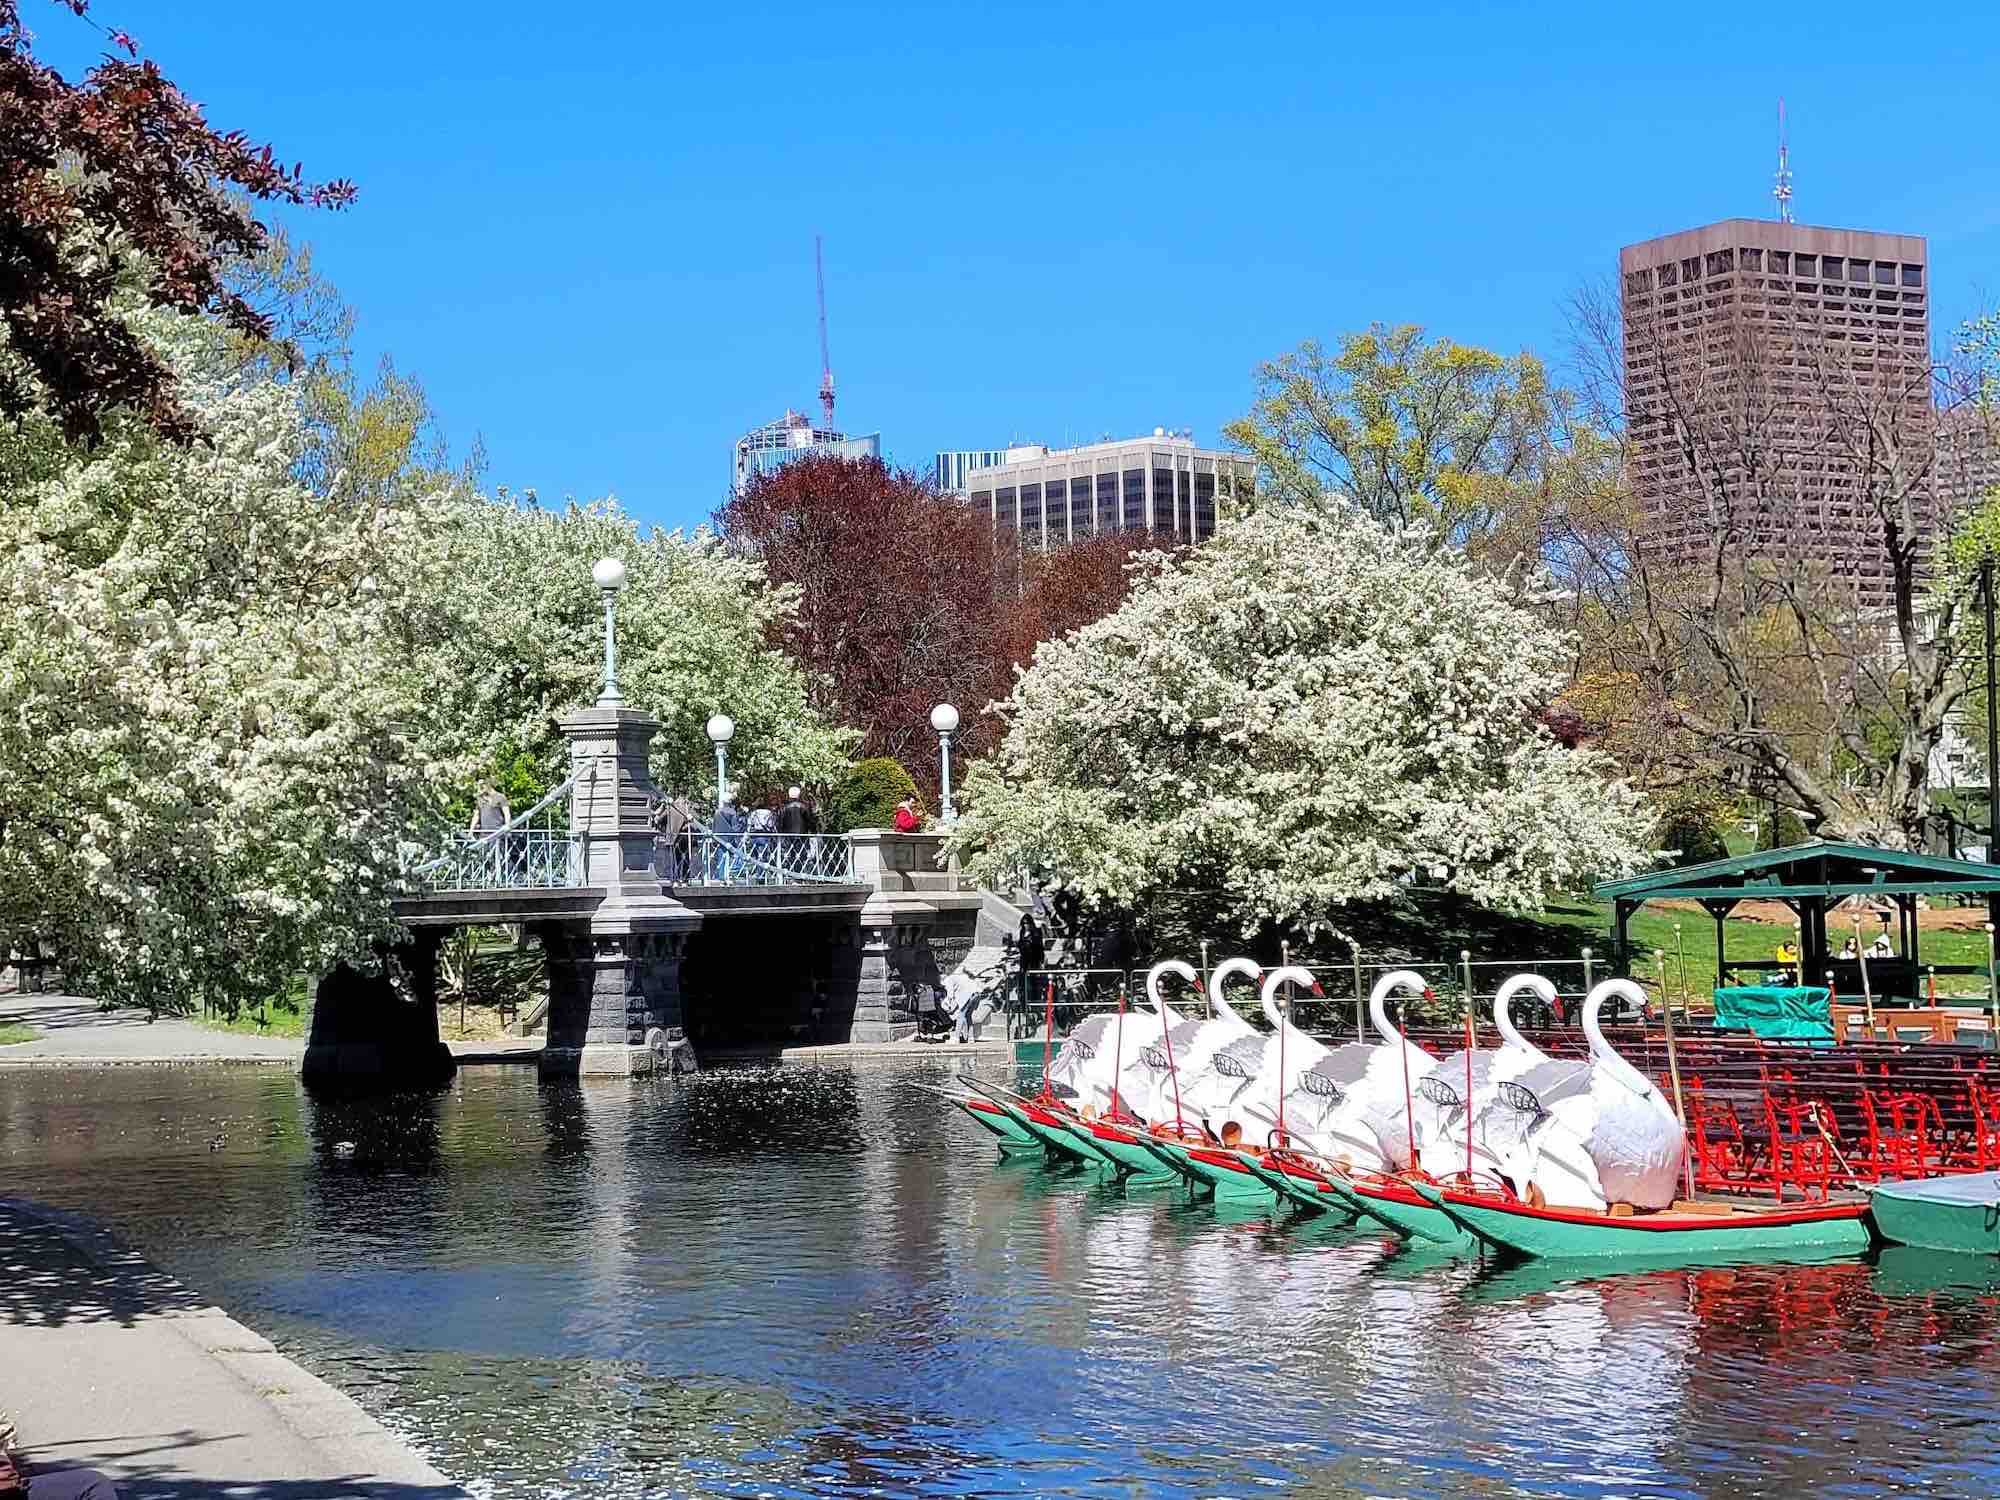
763, 846
908, 820
792, 827
672, 818
491, 811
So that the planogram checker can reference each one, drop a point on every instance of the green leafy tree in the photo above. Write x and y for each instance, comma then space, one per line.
1413, 431
866, 794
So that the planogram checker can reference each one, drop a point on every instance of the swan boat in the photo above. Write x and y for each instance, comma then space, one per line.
1594, 1171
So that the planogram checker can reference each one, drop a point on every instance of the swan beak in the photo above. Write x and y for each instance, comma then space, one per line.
1317, 990
1429, 993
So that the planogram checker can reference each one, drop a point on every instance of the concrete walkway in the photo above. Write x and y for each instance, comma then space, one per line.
107, 1363
74, 1031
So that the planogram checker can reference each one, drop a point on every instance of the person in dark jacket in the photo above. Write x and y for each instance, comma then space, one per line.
1029, 950
792, 828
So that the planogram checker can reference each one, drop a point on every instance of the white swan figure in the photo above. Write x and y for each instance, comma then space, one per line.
1182, 1053
1135, 1075
1263, 1067
1357, 1109
1096, 1054
1445, 1113
1283, 1065
1602, 1138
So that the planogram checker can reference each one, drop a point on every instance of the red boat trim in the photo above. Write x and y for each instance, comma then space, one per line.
1106, 1132
1218, 1159
1805, 1213
984, 1106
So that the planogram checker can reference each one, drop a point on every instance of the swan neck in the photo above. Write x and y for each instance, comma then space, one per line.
1603, 1053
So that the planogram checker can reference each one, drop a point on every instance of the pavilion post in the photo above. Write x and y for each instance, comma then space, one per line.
1721, 961
1621, 947
1912, 944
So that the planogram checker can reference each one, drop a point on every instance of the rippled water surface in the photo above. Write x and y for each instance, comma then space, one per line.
822, 1282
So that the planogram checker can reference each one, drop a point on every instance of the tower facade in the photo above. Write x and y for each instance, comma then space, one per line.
1771, 370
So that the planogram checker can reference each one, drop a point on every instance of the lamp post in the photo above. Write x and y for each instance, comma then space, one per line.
944, 719
609, 576
720, 729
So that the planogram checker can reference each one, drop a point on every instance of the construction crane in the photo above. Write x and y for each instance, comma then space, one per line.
825, 358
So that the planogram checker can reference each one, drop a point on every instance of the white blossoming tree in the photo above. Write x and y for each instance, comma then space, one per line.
206, 763
238, 690
1297, 715
520, 641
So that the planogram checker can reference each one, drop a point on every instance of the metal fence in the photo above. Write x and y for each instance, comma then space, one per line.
701, 858
513, 859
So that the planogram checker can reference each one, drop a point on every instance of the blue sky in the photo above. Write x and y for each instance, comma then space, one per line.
589, 230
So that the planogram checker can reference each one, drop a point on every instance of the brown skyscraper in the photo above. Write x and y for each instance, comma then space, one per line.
1776, 375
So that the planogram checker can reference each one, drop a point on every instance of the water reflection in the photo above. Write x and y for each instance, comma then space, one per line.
820, 1282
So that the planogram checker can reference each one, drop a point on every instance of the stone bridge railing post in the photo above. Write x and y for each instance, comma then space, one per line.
614, 988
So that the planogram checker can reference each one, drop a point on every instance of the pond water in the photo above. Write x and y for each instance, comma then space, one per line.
820, 1281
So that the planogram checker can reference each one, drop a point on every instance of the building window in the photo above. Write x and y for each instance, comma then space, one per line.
1107, 502
1004, 499
1721, 262
1753, 260
1204, 507
983, 499
1832, 268
1808, 265
1781, 262
1691, 268
1913, 275
1031, 512
1135, 499
1670, 274
1638, 283
1080, 525
1163, 500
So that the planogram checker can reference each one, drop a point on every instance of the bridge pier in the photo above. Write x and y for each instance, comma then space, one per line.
367, 1036
615, 982
615, 996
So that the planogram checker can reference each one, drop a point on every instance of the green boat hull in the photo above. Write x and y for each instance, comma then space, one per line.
1129, 1154
1436, 1229
1307, 1193
1207, 1178
1010, 1134
1555, 1234
1418, 1221
1960, 1215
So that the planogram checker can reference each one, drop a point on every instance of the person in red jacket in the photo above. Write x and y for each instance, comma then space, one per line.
907, 820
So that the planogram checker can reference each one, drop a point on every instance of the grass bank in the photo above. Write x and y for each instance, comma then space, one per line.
11, 1034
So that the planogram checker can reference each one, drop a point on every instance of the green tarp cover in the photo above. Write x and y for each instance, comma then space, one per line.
1796, 1013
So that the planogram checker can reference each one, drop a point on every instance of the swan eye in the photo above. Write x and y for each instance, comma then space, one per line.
1153, 1057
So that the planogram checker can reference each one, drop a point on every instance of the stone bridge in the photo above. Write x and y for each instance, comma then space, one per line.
652, 950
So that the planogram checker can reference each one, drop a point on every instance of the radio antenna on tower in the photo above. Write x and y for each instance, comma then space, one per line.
1781, 188
825, 359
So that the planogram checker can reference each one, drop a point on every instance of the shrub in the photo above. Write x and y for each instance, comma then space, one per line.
867, 795
1692, 835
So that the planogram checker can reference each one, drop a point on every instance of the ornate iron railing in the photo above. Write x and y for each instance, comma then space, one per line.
534, 851
703, 857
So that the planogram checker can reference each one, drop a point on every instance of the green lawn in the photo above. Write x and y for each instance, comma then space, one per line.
10, 1034
281, 1015
1430, 930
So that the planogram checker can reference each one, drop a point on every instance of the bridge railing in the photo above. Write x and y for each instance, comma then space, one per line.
703, 858
533, 851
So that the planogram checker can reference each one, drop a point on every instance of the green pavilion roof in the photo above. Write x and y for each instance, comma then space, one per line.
1819, 868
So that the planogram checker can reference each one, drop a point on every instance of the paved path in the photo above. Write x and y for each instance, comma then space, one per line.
106, 1363
74, 1030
